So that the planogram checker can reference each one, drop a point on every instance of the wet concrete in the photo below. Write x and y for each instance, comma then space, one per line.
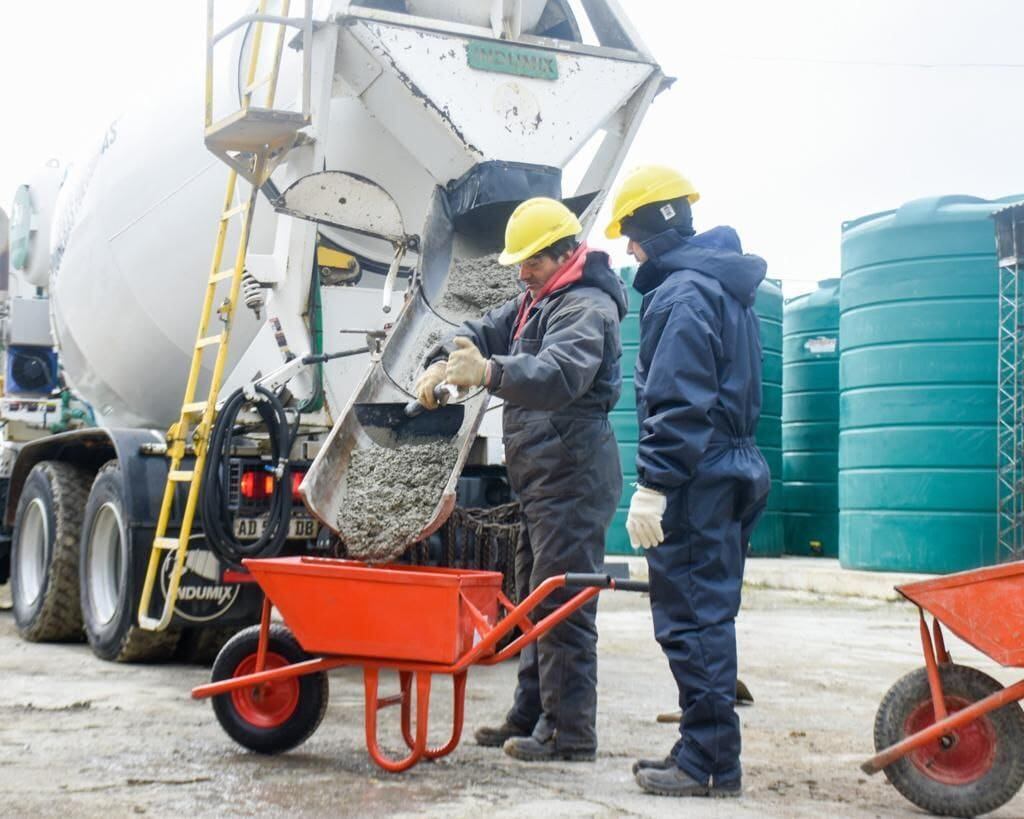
83, 738
391, 493
476, 286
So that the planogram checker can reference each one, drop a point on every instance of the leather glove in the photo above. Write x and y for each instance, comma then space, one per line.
643, 523
429, 378
466, 366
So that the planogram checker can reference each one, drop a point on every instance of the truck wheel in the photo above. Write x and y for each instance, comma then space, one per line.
981, 765
276, 716
110, 586
200, 646
44, 557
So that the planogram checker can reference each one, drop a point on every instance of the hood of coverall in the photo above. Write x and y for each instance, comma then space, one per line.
716, 253
597, 272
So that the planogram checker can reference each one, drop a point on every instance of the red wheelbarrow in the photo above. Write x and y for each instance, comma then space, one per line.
269, 685
949, 737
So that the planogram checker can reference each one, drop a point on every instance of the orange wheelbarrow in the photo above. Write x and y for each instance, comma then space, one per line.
949, 737
269, 687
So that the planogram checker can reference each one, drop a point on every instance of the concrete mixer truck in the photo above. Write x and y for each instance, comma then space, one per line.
358, 160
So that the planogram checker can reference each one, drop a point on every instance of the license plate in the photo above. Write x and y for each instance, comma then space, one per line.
300, 527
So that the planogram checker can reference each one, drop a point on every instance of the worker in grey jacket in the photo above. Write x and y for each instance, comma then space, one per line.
553, 355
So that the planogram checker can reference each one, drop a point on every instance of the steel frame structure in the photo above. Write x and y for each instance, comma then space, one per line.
1009, 228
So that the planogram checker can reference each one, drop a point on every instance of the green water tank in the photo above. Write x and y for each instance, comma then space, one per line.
623, 419
810, 421
917, 380
768, 539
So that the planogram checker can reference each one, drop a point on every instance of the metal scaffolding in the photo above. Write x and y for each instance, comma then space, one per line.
1010, 465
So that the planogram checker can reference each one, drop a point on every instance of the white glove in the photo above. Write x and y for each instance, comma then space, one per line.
643, 523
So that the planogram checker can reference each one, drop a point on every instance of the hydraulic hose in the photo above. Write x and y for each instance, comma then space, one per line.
216, 480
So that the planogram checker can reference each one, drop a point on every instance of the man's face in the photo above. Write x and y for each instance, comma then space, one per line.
637, 252
537, 271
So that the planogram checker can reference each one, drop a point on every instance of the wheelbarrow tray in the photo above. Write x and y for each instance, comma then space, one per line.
404, 613
983, 607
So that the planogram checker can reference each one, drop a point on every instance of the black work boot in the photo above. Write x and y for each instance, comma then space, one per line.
494, 737
529, 749
675, 781
655, 764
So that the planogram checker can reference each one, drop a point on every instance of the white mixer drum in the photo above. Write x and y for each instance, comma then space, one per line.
131, 248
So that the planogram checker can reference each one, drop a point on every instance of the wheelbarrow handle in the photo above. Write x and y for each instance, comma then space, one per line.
604, 581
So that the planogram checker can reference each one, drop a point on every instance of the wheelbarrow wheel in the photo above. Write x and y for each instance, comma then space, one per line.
276, 716
977, 768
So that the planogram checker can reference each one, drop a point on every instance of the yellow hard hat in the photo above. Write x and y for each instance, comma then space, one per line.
643, 186
536, 224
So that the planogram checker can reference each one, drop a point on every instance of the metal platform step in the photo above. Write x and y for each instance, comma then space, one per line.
254, 130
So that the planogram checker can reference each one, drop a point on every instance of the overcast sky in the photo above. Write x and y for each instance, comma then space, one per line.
790, 116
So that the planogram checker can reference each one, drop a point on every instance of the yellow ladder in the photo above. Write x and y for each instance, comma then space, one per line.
252, 141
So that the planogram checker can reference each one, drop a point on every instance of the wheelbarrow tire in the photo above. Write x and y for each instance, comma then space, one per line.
275, 717
980, 772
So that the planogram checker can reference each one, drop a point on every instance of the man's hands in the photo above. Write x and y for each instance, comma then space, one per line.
430, 378
466, 366
643, 523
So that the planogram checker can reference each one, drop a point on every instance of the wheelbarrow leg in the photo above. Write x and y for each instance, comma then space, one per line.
405, 678
370, 681
459, 711
458, 715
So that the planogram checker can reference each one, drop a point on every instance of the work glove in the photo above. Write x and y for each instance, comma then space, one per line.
466, 366
429, 378
643, 523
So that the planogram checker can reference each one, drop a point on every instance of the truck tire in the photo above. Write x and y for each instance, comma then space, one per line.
980, 770
44, 557
200, 646
276, 716
110, 586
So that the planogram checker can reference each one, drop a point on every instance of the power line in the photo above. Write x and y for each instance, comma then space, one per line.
857, 63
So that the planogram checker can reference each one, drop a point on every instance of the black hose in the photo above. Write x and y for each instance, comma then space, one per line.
216, 480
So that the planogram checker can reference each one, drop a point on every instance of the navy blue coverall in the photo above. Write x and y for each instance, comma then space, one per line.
698, 389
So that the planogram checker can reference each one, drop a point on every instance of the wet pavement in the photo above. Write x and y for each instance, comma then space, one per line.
80, 737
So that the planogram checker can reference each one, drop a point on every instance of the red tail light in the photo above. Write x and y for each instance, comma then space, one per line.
296, 480
256, 485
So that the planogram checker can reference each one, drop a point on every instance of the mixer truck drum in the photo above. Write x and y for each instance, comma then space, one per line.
216, 490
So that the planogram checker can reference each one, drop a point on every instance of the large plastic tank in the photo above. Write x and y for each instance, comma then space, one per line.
623, 419
918, 366
810, 421
768, 538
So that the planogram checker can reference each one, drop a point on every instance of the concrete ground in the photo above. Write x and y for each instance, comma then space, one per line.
79, 737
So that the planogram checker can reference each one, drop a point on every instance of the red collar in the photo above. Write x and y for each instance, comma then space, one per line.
569, 273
